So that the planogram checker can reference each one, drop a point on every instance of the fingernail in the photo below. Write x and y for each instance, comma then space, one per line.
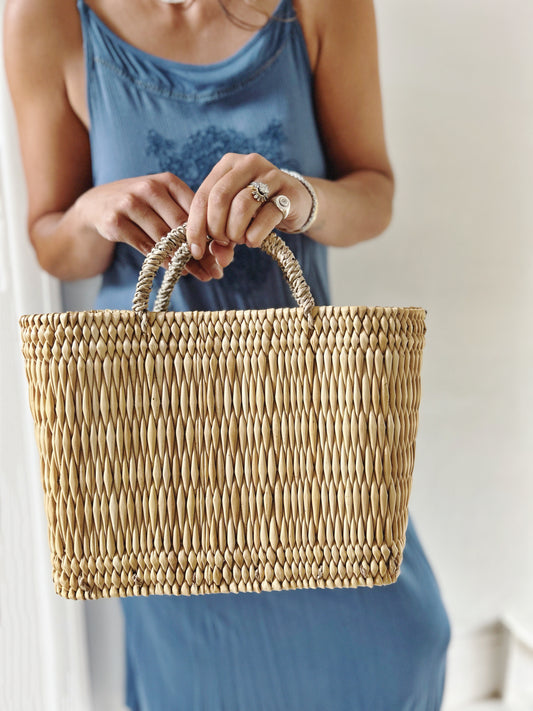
196, 251
217, 271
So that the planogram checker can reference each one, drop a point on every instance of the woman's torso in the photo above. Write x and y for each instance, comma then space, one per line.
150, 114
164, 30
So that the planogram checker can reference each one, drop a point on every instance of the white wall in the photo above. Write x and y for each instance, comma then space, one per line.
43, 650
458, 87
457, 81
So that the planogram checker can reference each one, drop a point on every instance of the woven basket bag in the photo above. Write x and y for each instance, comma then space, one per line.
224, 451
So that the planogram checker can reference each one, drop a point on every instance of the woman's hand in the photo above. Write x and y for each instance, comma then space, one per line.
139, 211
225, 209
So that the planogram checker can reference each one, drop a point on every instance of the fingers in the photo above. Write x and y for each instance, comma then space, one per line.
197, 270
222, 254
223, 205
138, 211
156, 204
197, 227
212, 264
208, 267
180, 192
231, 204
268, 218
148, 220
225, 208
245, 210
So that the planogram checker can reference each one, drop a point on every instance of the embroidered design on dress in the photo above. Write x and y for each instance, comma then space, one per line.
192, 160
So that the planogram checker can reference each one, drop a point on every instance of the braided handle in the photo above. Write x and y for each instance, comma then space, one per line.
176, 242
161, 251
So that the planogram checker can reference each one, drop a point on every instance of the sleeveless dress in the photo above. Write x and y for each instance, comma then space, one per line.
380, 649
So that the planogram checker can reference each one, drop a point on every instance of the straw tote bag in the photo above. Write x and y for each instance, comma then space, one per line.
230, 451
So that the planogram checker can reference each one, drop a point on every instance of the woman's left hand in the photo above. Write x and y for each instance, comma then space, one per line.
224, 207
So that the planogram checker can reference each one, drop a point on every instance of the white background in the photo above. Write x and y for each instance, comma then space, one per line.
458, 89
457, 78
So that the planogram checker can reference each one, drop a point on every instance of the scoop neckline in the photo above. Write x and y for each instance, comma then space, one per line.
184, 65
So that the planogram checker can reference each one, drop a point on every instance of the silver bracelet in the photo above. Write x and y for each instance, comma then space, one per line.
311, 191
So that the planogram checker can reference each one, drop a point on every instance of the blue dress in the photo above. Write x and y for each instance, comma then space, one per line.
382, 649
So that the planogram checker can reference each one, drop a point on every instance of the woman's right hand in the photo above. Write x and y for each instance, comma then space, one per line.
139, 211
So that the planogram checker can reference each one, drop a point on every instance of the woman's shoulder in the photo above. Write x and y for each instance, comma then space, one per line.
320, 21
43, 53
41, 32
40, 15
308, 12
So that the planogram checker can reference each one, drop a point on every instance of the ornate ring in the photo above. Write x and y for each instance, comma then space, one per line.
260, 191
283, 204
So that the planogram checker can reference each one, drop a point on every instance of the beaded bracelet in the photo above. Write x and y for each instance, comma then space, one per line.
311, 191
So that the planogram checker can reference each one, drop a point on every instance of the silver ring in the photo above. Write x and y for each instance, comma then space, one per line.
283, 204
260, 191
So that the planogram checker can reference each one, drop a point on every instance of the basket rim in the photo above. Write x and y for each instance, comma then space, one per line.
193, 313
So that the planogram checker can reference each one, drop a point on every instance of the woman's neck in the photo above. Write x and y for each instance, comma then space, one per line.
198, 32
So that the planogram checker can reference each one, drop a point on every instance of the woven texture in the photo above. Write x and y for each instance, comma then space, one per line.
225, 451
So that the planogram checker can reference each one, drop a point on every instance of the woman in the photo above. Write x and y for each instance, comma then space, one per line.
136, 115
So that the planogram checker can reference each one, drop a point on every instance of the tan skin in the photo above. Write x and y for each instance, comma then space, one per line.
74, 226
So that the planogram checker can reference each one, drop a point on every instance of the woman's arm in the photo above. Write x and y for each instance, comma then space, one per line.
73, 226
357, 204
53, 141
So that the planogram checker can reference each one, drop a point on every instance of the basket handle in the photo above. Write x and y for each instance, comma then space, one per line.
175, 242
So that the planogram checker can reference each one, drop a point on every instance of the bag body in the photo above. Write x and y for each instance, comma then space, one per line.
224, 451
